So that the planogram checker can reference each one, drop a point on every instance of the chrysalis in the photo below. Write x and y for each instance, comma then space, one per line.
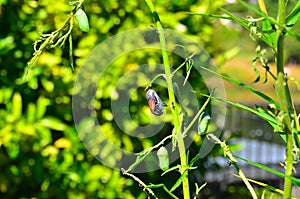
203, 123
155, 103
82, 20
163, 158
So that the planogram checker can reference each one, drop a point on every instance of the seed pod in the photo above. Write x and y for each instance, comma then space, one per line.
203, 123
163, 158
82, 20
155, 103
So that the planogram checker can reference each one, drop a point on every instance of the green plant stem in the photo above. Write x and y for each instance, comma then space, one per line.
174, 109
285, 102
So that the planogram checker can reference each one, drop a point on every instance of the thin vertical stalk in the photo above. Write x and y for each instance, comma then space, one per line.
285, 101
174, 109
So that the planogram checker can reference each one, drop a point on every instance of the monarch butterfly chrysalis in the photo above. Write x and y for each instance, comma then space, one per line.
155, 103
203, 123
82, 20
163, 158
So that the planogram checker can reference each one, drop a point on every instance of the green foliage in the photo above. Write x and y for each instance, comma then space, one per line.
41, 154
40, 150
273, 32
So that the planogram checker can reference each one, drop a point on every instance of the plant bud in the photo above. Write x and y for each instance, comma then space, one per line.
203, 123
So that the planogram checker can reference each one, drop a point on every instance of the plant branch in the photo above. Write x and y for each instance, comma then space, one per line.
53, 39
140, 182
234, 162
143, 154
174, 108
285, 102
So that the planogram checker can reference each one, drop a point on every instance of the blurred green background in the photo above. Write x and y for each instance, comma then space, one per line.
41, 155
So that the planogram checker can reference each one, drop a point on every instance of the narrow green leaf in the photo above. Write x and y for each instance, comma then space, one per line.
211, 15
266, 114
293, 16
17, 106
178, 182
262, 6
41, 104
273, 122
48, 85
141, 156
295, 181
267, 98
53, 123
253, 9
236, 19
71, 52
187, 157
171, 169
196, 158
189, 66
164, 187
266, 186
31, 113
5, 94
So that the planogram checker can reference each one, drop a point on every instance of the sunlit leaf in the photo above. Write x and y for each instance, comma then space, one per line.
48, 85
5, 94
17, 106
25, 128
53, 123
41, 104
62, 143
31, 113
44, 135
